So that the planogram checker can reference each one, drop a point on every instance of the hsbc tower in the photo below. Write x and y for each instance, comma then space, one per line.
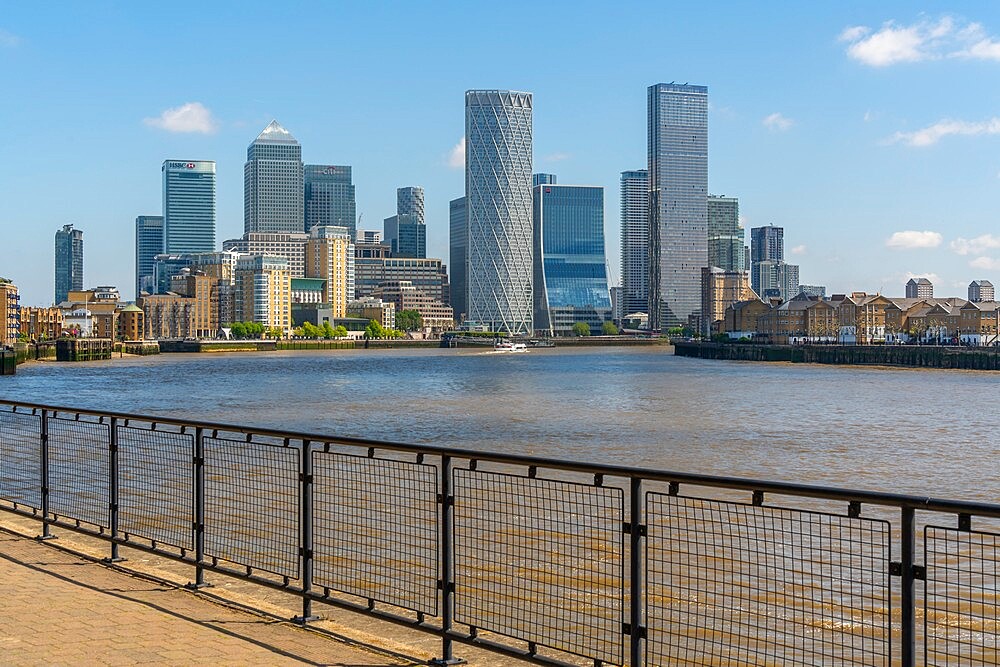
188, 206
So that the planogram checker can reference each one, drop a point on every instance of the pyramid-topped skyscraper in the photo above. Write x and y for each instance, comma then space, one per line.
272, 183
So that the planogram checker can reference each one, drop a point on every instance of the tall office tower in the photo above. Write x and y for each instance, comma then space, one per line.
459, 249
148, 244
980, 291
410, 201
542, 179
330, 256
570, 280
273, 190
498, 195
767, 243
69, 261
329, 197
291, 246
725, 236
405, 236
678, 201
188, 206
635, 241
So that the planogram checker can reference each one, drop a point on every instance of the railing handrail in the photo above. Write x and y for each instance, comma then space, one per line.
899, 500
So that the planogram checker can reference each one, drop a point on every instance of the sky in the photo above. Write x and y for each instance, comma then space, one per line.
869, 131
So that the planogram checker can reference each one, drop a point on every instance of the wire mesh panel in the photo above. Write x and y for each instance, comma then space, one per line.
20, 458
735, 584
540, 561
376, 529
252, 504
79, 470
155, 485
961, 597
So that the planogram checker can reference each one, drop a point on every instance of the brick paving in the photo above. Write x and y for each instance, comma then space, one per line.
57, 608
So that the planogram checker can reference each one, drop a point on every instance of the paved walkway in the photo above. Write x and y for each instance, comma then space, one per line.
60, 609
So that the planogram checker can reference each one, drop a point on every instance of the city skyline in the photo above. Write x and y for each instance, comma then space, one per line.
874, 181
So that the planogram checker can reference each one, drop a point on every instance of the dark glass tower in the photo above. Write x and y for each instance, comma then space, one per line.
329, 197
69, 262
678, 201
635, 241
458, 256
148, 244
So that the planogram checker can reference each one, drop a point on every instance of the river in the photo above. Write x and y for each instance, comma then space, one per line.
929, 432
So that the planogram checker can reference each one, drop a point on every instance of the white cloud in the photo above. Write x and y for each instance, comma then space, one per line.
932, 134
987, 263
557, 157
778, 123
190, 117
909, 240
976, 246
924, 40
8, 39
798, 250
870, 116
456, 158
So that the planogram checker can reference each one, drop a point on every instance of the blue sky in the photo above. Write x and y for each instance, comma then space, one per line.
870, 131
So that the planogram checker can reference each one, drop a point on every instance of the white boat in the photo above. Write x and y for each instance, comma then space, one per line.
507, 346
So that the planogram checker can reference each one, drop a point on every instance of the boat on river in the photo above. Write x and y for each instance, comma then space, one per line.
509, 346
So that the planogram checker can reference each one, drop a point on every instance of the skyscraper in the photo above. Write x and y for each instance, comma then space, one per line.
329, 197
678, 201
725, 236
767, 243
570, 279
410, 201
459, 250
148, 244
405, 236
188, 206
542, 179
498, 197
635, 241
69, 261
273, 190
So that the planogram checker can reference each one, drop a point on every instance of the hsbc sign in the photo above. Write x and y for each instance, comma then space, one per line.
181, 165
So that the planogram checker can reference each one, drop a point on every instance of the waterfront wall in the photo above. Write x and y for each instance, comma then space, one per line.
34, 351
913, 356
84, 349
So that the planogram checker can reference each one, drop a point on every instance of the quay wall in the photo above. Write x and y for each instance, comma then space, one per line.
912, 356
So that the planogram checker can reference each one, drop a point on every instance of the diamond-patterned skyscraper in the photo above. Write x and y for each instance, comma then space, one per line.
498, 196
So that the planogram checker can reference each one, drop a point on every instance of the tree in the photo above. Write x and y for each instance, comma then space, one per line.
238, 330
327, 331
675, 331
374, 330
609, 329
581, 329
409, 320
340, 331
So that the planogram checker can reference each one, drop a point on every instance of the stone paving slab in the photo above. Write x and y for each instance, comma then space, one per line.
58, 608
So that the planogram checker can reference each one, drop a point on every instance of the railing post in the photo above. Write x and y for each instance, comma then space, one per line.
44, 454
447, 575
198, 528
637, 531
306, 531
113, 488
908, 611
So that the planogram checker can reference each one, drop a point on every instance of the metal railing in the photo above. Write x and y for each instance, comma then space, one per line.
554, 561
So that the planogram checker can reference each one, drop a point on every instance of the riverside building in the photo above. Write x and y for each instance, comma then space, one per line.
188, 206
498, 130
264, 292
570, 279
290, 245
10, 312
273, 183
329, 255
678, 201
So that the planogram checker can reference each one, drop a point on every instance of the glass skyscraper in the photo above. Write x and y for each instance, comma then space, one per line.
635, 241
570, 275
410, 201
405, 235
273, 191
725, 236
767, 243
69, 262
458, 255
329, 197
678, 201
498, 131
188, 206
543, 179
148, 244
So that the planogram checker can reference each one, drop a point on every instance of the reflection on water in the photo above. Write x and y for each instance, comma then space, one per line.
928, 432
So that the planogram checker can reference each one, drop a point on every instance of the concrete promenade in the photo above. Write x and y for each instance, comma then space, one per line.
58, 608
